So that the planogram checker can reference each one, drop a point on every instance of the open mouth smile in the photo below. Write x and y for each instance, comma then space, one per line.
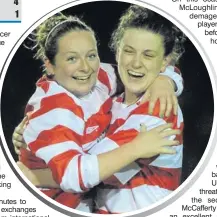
81, 78
135, 74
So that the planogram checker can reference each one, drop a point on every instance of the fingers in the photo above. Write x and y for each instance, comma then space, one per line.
175, 104
169, 106
152, 103
166, 150
17, 137
19, 144
170, 133
17, 150
21, 127
163, 127
163, 102
19, 130
167, 142
23, 122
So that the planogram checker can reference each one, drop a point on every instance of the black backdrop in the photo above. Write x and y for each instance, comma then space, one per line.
196, 100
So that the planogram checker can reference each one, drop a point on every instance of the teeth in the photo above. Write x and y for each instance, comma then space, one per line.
82, 78
135, 73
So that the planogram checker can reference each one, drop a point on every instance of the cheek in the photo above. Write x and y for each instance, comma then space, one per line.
95, 65
125, 59
154, 66
71, 69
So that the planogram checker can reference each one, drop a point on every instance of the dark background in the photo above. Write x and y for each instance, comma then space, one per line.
196, 100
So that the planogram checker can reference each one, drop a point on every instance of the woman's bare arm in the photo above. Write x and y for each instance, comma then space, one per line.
39, 177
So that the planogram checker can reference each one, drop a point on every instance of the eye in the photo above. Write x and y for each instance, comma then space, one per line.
72, 59
128, 51
149, 55
92, 56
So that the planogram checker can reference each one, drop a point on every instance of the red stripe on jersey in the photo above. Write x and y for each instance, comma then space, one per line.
123, 136
69, 199
43, 83
118, 122
100, 120
59, 163
81, 183
61, 100
103, 78
52, 192
53, 136
143, 109
106, 106
180, 136
30, 160
167, 178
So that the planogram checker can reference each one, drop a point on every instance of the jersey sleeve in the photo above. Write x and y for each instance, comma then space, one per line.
54, 133
175, 74
107, 77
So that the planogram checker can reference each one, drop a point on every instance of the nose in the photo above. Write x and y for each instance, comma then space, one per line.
84, 66
136, 61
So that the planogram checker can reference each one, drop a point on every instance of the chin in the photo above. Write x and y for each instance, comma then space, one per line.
83, 93
137, 91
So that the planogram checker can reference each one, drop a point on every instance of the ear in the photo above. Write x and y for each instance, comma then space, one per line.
165, 63
49, 67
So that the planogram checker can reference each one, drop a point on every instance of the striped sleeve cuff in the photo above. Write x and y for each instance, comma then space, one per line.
89, 171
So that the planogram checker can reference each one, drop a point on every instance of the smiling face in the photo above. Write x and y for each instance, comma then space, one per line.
76, 62
140, 58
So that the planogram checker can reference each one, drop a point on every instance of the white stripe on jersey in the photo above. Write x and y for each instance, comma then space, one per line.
92, 104
35, 99
111, 76
180, 117
168, 161
57, 116
104, 146
126, 200
90, 171
55, 88
128, 172
121, 111
135, 120
70, 180
50, 151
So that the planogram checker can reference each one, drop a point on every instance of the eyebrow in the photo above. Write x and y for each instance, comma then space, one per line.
128, 46
145, 51
150, 51
75, 52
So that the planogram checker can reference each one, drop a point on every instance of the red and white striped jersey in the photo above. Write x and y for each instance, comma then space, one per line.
62, 128
145, 181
